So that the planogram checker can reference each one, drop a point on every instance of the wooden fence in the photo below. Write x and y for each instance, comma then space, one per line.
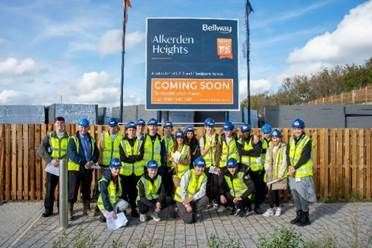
342, 161
362, 95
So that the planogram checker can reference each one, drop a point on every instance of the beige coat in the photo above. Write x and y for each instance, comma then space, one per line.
271, 154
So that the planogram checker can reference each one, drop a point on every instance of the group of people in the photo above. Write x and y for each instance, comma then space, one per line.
145, 174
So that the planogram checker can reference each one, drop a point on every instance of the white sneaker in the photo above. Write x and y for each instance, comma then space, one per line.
278, 211
155, 216
142, 217
269, 212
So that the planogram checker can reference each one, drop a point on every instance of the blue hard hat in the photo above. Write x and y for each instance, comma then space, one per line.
276, 133
189, 129
113, 122
245, 128
206, 121
152, 164
168, 124
228, 126
140, 122
152, 122
231, 163
84, 122
115, 163
179, 134
131, 124
266, 128
209, 122
199, 162
298, 123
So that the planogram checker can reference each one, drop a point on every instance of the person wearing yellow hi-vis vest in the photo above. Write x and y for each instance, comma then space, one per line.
133, 166
109, 200
250, 149
276, 169
151, 193
180, 157
109, 143
168, 139
82, 154
238, 188
190, 195
300, 172
52, 149
208, 144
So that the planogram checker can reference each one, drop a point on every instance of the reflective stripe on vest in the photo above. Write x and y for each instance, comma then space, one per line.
58, 146
229, 150
210, 141
236, 185
71, 165
114, 192
254, 163
194, 185
182, 168
295, 152
152, 150
128, 169
110, 148
151, 188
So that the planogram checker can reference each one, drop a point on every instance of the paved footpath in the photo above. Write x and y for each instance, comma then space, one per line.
21, 226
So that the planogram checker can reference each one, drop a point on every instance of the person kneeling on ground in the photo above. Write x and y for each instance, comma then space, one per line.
190, 195
109, 202
238, 188
151, 192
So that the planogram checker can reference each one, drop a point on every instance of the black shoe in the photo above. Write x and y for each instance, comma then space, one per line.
102, 219
298, 217
258, 210
304, 221
47, 214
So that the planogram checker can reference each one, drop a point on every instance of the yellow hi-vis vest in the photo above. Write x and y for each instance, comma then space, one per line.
277, 164
152, 149
137, 168
254, 163
236, 184
194, 185
71, 165
151, 188
58, 145
114, 191
169, 144
210, 141
295, 151
229, 150
264, 145
182, 168
110, 148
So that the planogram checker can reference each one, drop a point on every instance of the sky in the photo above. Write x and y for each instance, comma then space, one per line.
70, 51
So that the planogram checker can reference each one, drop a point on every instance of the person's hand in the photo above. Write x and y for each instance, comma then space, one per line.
157, 207
218, 171
188, 208
223, 199
187, 200
291, 171
55, 162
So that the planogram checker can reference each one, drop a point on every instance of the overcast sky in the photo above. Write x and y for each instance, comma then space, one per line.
72, 48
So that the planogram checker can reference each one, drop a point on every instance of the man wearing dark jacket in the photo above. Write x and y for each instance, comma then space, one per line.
151, 193
52, 150
238, 188
82, 153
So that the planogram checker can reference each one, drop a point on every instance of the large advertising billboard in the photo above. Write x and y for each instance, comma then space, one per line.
192, 64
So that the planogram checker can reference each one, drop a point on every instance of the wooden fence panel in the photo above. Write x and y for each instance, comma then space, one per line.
2, 159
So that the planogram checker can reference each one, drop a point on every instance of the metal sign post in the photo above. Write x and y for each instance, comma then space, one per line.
63, 217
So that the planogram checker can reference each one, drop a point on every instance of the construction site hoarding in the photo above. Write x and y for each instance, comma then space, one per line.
192, 64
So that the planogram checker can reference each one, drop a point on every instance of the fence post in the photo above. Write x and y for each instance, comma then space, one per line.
63, 218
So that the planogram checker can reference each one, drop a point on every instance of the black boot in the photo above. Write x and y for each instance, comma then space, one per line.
102, 218
86, 208
304, 221
298, 217
47, 213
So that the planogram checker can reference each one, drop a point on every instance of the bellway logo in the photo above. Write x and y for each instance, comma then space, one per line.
216, 28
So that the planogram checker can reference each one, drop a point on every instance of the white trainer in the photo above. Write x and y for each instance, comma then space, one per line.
278, 211
142, 217
269, 212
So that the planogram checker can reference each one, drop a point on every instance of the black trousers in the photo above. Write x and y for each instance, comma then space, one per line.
79, 179
214, 185
274, 198
244, 203
260, 186
129, 189
51, 184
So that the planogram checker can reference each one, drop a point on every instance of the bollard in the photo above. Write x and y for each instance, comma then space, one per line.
63, 216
